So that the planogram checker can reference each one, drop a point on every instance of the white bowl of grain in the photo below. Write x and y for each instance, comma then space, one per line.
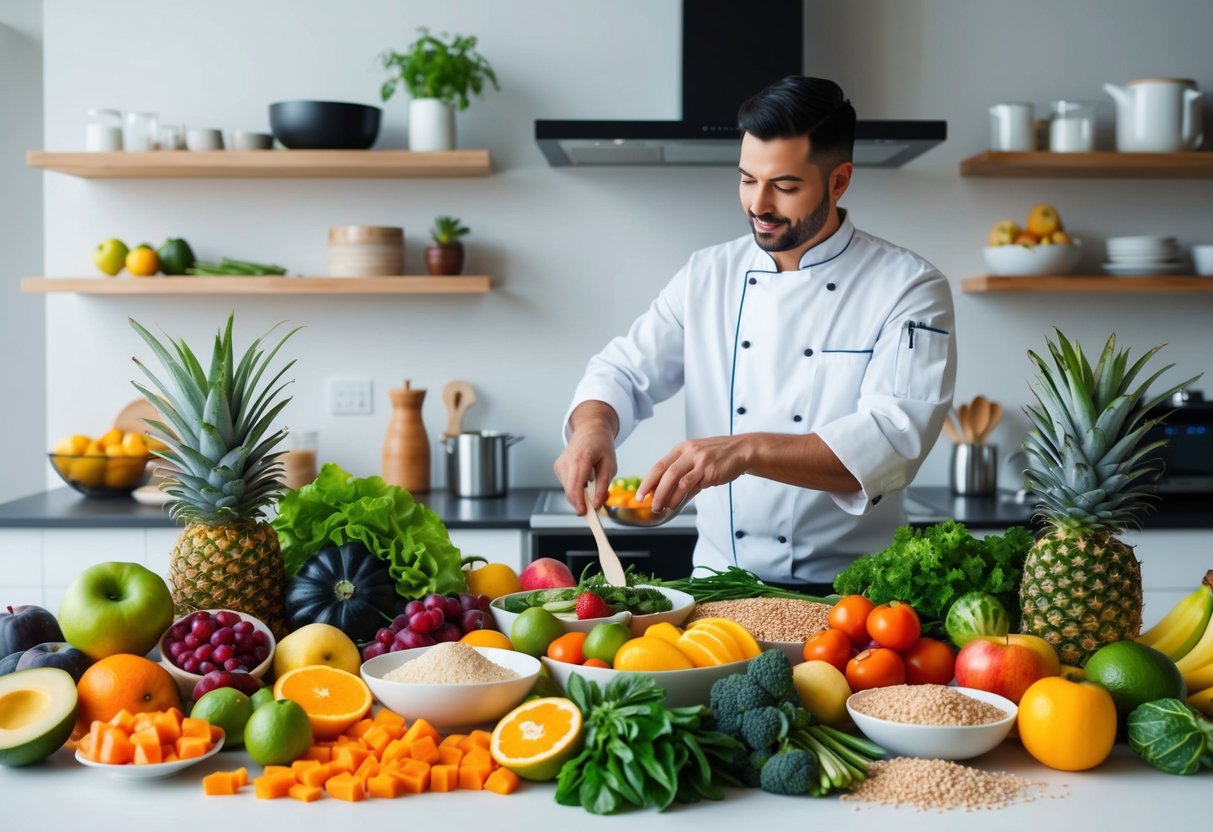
451, 685
943, 723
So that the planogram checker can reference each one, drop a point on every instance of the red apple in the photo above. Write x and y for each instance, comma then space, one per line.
546, 573
1000, 665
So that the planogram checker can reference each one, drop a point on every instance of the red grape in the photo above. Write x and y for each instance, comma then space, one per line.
375, 648
408, 639
385, 635
420, 623
472, 620
401, 621
242, 628
227, 618
447, 632
413, 607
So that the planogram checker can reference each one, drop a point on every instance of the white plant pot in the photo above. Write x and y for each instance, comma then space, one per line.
431, 125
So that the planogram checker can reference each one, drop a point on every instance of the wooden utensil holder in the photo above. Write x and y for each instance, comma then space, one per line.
406, 447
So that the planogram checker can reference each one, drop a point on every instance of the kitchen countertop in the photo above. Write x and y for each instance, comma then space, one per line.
1123, 793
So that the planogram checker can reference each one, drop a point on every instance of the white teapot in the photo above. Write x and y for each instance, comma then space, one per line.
1157, 115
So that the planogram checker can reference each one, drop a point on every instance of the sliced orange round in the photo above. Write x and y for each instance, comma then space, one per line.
535, 739
333, 699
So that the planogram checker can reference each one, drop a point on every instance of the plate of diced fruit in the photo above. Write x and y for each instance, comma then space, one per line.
147, 746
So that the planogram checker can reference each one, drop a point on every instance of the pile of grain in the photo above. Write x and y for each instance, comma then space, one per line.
943, 785
926, 705
450, 663
769, 619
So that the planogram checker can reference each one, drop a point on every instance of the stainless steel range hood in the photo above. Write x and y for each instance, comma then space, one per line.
730, 50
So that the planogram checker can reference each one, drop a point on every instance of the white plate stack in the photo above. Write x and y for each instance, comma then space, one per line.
1145, 254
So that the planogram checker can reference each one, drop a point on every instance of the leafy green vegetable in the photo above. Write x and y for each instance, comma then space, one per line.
338, 508
639, 753
932, 567
1170, 736
730, 585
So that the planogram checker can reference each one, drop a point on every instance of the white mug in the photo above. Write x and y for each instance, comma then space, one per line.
1011, 127
200, 138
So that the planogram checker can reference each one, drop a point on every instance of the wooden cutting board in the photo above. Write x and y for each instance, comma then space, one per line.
130, 418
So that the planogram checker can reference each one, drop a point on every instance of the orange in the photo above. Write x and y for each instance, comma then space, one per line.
142, 262
124, 681
487, 638
648, 653
535, 739
493, 580
333, 699
1067, 724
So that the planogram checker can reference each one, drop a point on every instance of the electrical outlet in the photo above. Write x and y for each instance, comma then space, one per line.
350, 396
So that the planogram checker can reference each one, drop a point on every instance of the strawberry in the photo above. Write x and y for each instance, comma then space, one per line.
589, 605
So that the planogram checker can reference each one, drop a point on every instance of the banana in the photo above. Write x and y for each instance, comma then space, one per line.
1185, 624
1200, 655
1199, 678
1202, 701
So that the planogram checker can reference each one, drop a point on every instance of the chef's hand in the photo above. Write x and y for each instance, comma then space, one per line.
590, 453
694, 465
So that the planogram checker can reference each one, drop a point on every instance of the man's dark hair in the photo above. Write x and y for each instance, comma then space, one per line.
799, 106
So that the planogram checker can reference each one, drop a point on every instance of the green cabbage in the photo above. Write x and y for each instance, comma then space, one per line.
338, 508
1170, 736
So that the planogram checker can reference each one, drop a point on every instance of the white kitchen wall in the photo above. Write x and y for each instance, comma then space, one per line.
574, 254
22, 317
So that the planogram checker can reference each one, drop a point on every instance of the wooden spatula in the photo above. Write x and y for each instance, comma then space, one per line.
951, 431
612, 569
979, 417
458, 396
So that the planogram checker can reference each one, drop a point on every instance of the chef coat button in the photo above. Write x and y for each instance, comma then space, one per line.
797, 418
753, 280
745, 345
830, 287
808, 352
739, 534
782, 539
876, 499
741, 411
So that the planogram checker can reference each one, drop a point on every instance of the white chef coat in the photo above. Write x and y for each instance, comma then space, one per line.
857, 346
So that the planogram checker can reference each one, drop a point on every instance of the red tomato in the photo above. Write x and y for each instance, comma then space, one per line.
894, 625
595, 663
567, 648
831, 646
851, 615
877, 668
929, 662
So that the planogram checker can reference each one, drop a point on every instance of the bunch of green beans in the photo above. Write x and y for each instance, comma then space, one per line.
732, 584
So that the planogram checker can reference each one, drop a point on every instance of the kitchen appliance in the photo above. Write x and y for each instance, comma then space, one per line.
730, 51
477, 463
1187, 459
1157, 115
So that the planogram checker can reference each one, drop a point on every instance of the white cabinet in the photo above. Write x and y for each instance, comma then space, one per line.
507, 546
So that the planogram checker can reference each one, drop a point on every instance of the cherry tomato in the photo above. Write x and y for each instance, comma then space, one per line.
877, 668
929, 662
894, 625
567, 648
831, 646
851, 615
595, 663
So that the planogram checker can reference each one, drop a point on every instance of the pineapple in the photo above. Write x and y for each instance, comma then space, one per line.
221, 472
1081, 586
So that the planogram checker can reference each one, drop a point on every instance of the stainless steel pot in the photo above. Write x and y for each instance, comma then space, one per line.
477, 464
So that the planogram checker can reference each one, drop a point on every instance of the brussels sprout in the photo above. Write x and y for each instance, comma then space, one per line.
1170, 736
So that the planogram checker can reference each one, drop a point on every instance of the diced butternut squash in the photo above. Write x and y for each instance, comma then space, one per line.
386, 717
444, 778
369, 768
316, 775
273, 786
394, 750
348, 758
146, 755
376, 738
359, 728
305, 794
167, 749
420, 729
449, 755
141, 722
480, 738
477, 757
453, 740
384, 785
319, 753
424, 749
473, 777
345, 786
216, 734
196, 728
241, 775
299, 766
278, 770
167, 725
115, 748
414, 774
502, 781
221, 782
190, 747
124, 719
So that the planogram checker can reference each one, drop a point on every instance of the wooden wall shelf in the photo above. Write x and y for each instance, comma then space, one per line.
409, 285
1159, 284
1101, 165
265, 164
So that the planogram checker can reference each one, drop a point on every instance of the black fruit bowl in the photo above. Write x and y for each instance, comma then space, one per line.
324, 125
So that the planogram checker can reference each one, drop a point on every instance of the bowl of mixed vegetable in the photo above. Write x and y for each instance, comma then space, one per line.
639, 606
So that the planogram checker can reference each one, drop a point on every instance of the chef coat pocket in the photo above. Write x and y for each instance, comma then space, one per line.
922, 358
837, 384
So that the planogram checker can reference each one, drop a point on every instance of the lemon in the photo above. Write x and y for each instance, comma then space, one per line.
647, 654
493, 580
535, 739
142, 261
534, 629
1134, 673
823, 691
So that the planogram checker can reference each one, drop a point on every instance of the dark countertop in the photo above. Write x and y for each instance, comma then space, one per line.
65, 509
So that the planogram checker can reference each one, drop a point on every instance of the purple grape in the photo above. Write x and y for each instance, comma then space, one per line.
260, 639
179, 630
191, 641
467, 602
375, 648
203, 652
385, 635
413, 606
260, 653
227, 618
223, 635
437, 616
434, 601
203, 629
190, 664
244, 644
242, 628
233, 664
221, 654
402, 621
472, 620
484, 602
408, 639
447, 632
452, 607
176, 648
420, 623
200, 615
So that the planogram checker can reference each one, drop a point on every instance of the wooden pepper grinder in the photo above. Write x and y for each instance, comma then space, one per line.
406, 448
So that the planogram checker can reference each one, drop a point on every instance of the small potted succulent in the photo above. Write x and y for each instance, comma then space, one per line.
446, 255
439, 75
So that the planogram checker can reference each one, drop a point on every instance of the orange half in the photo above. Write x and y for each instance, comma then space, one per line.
333, 699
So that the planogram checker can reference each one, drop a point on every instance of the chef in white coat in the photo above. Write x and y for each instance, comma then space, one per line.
817, 360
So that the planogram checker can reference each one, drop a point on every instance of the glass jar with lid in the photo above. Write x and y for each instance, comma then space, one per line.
103, 131
1072, 127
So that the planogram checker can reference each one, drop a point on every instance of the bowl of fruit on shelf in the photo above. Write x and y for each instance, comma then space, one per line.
1040, 247
112, 465
208, 642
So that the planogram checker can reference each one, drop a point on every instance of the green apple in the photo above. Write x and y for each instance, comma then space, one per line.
110, 256
115, 608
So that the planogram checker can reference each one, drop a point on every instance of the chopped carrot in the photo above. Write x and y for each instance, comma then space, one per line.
305, 794
502, 781
444, 778
345, 786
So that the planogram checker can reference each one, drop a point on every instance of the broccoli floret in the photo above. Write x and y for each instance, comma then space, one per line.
789, 772
763, 727
797, 716
751, 695
723, 702
773, 672
751, 767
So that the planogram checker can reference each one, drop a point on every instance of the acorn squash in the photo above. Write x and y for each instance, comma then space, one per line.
346, 586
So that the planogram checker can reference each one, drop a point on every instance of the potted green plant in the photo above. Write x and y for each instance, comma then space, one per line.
446, 255
439, 75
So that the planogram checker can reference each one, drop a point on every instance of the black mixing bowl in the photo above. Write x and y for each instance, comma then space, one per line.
324, 125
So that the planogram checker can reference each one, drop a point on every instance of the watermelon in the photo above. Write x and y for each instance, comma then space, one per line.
976, 614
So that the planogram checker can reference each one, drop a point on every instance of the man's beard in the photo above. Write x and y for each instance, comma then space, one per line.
795, 234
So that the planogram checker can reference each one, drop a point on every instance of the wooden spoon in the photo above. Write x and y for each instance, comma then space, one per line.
612, 569
979, 413
950, 429
458, 396
995, 418
966, 426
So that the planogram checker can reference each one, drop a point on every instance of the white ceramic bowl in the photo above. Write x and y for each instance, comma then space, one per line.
683, 606
451, 706
682, 687
186, 681
151, 771
1021, 261
943, 742
505, 619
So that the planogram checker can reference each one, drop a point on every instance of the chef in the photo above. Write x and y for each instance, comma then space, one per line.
817, 360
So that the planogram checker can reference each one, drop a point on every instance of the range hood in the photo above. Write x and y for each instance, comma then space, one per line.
730, 50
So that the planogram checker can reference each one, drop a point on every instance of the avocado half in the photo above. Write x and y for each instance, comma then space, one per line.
37, 714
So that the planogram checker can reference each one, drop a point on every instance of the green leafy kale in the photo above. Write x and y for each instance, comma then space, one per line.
932, 567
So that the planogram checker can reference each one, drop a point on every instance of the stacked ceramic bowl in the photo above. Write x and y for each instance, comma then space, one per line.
365, 251
1144, 254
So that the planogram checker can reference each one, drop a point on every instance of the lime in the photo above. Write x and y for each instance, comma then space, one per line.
277, 733
229, 709
535, 739
604, 641
534, 629
1134, 674
262, 697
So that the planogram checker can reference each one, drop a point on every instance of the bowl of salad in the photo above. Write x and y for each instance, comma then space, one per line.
638, 606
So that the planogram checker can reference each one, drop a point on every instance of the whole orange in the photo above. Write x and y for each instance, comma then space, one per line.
124, 681
1067, 724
